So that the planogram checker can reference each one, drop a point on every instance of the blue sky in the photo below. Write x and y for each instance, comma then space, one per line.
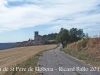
20, 18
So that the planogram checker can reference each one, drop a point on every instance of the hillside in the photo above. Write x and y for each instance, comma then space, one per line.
87, 49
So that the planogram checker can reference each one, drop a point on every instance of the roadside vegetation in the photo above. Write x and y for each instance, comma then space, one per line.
78, 44
69, 36
30, 63
86, 49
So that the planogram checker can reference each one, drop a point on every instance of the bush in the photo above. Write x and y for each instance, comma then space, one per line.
83, 43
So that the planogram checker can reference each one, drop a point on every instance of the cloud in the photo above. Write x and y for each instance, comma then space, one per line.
91, 29
58, 13
15, 0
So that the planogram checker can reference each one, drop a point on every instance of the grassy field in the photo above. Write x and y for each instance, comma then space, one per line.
15, 56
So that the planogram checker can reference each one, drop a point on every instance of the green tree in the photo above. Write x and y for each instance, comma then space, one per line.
51, 36
76, 34
63, 37
68, 36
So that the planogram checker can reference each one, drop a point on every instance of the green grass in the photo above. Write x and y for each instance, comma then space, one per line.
39, 54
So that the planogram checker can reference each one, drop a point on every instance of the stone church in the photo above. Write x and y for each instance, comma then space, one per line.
38, 39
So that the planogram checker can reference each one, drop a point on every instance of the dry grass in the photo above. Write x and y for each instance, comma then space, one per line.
86, 49
14, 56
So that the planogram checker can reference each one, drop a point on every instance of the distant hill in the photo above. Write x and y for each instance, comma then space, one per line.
7, 45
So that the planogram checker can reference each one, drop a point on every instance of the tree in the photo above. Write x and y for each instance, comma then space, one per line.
76, 34
73, 35
63, 37
80, 34
68, 36
51, 36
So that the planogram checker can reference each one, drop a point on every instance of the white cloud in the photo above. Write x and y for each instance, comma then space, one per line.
15, 0
30, 15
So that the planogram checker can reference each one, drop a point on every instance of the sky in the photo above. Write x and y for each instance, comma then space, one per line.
20, 18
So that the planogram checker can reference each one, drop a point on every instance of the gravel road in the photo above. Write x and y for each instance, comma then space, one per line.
56, 62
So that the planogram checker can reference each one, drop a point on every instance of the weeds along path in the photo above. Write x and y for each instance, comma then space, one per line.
14, 56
